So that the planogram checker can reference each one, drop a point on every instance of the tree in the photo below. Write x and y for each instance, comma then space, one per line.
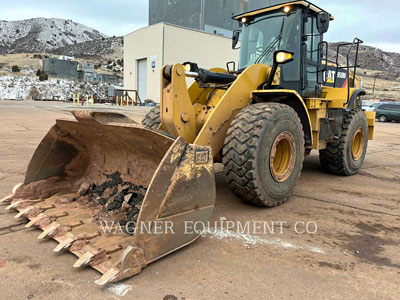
15, 69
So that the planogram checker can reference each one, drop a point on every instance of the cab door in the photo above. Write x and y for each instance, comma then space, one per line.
311, 58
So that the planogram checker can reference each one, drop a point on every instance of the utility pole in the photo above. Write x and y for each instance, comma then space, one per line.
373, 90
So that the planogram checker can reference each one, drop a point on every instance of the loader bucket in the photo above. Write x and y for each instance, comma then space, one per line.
115, 194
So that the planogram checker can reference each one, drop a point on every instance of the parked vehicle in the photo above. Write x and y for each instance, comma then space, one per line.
370, 107
387, 112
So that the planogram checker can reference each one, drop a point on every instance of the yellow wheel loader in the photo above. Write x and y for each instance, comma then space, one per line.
285, 99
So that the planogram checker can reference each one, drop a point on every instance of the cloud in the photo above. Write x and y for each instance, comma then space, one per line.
117, 17
374, 22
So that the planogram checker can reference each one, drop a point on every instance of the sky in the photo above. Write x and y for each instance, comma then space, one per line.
375, 22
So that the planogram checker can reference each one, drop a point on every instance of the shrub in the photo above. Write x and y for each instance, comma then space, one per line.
34, 93
15, 69
38, 72
43, 76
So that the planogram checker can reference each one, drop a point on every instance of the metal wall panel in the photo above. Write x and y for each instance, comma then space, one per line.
60, 68
203, 14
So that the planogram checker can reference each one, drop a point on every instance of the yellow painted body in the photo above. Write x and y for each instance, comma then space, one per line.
210, 112
203, 115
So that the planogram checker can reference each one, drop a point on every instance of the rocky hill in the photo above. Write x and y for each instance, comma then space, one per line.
43, 35
100, 47
370, 58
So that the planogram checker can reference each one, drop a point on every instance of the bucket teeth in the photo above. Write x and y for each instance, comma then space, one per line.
15, 188
23, 212
48, 230
83, 260
14, 204
68, 241
64, 244
108, 276
34, 220
7, 198
28, 202
41, 216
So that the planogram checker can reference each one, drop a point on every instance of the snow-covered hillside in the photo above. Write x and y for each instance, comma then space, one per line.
42, 34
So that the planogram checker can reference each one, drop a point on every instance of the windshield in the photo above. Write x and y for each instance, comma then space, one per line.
267, 34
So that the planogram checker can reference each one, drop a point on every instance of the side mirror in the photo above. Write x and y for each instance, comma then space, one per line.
323, 22
235, 38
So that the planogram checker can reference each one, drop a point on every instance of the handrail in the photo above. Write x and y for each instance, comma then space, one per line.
357, 42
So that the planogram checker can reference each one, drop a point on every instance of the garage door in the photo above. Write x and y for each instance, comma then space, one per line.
142, 78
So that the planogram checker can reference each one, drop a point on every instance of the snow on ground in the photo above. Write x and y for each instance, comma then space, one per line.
18, 87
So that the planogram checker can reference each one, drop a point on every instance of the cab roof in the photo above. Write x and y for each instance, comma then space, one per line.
313, 7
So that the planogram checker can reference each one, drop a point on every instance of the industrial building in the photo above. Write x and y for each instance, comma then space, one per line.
86, 72
60, 68
212, 16
148, 49
180, 31
70, 69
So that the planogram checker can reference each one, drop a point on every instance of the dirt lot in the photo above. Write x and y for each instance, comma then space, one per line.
353, 255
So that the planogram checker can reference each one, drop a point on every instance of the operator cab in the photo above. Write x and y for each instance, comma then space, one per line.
296, 27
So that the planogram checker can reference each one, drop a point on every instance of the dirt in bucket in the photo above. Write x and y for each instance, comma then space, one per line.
113, 200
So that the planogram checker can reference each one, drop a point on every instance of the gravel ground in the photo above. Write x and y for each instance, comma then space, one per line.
354, 253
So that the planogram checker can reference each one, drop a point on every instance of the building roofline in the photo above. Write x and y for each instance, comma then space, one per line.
177, 26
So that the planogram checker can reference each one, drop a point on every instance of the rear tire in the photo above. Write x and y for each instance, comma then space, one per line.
152, 119
346, 156
263, 153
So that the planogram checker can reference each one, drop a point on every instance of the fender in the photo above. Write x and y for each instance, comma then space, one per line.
294, 100
353, 100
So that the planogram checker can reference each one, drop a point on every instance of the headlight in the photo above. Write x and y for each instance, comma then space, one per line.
190, 67
283, 57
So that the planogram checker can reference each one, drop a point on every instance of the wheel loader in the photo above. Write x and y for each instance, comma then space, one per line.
284, 99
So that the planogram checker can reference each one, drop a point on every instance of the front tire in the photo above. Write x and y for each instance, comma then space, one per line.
152, 119
346, 156
263, 153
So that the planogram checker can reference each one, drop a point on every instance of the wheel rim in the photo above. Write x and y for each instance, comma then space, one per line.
358, 144
382, 118
282, 156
